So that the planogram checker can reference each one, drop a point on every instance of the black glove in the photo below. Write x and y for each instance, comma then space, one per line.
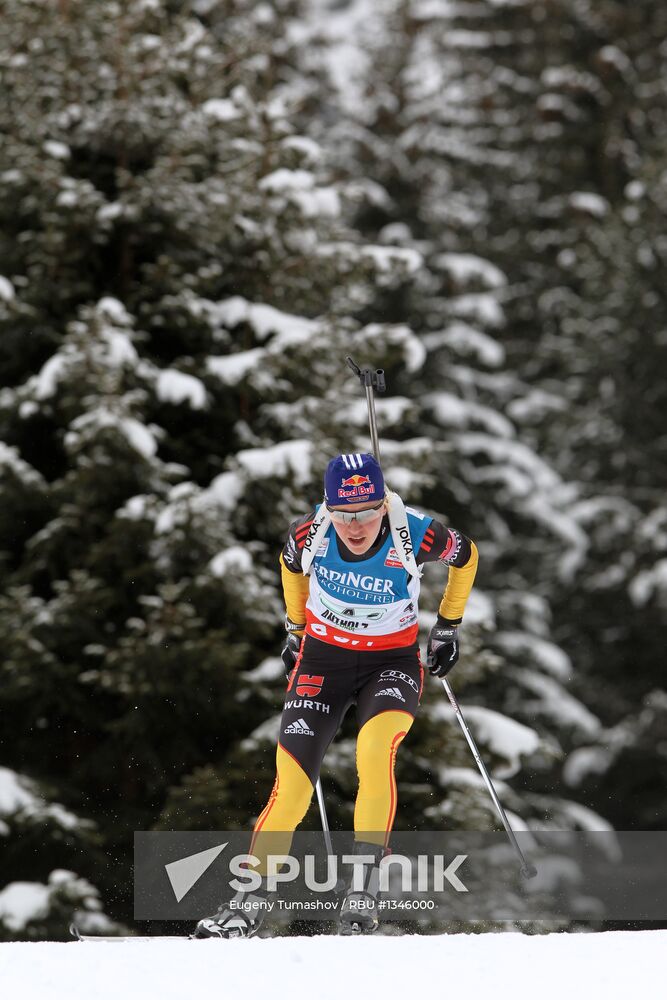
290, 652
442, 648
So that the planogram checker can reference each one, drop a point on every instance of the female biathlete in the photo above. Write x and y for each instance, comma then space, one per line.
350, 573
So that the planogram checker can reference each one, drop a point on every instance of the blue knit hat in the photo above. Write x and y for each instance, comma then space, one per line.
353, 479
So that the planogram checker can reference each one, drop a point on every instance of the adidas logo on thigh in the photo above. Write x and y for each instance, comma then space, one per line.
299, 726
392, 692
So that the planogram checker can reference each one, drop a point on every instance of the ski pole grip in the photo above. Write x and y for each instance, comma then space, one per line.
369, 379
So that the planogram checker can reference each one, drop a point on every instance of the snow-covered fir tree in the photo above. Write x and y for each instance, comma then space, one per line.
573, 223
179, 290
410, 141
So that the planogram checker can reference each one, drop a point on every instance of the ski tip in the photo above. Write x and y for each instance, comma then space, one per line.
74, 931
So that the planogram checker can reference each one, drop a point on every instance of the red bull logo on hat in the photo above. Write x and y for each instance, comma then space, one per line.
356, 486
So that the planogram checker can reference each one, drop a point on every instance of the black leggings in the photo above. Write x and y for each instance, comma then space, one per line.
327, 680
386, 686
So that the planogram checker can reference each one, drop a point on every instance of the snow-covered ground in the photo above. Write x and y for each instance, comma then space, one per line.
612, 966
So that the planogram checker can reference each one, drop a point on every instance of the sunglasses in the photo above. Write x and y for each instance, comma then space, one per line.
360, 516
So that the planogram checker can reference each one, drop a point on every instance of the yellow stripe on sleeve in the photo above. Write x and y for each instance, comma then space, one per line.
295, 592
459, 585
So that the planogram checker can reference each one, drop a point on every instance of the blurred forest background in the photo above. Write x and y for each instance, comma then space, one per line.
204, 206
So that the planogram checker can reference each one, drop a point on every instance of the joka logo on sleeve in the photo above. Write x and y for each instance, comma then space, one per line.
309, 685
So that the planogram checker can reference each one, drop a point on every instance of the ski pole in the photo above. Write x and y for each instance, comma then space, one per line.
370, 380
526, 869
323, 816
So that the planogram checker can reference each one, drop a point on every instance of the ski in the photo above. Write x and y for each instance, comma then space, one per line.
80, 936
